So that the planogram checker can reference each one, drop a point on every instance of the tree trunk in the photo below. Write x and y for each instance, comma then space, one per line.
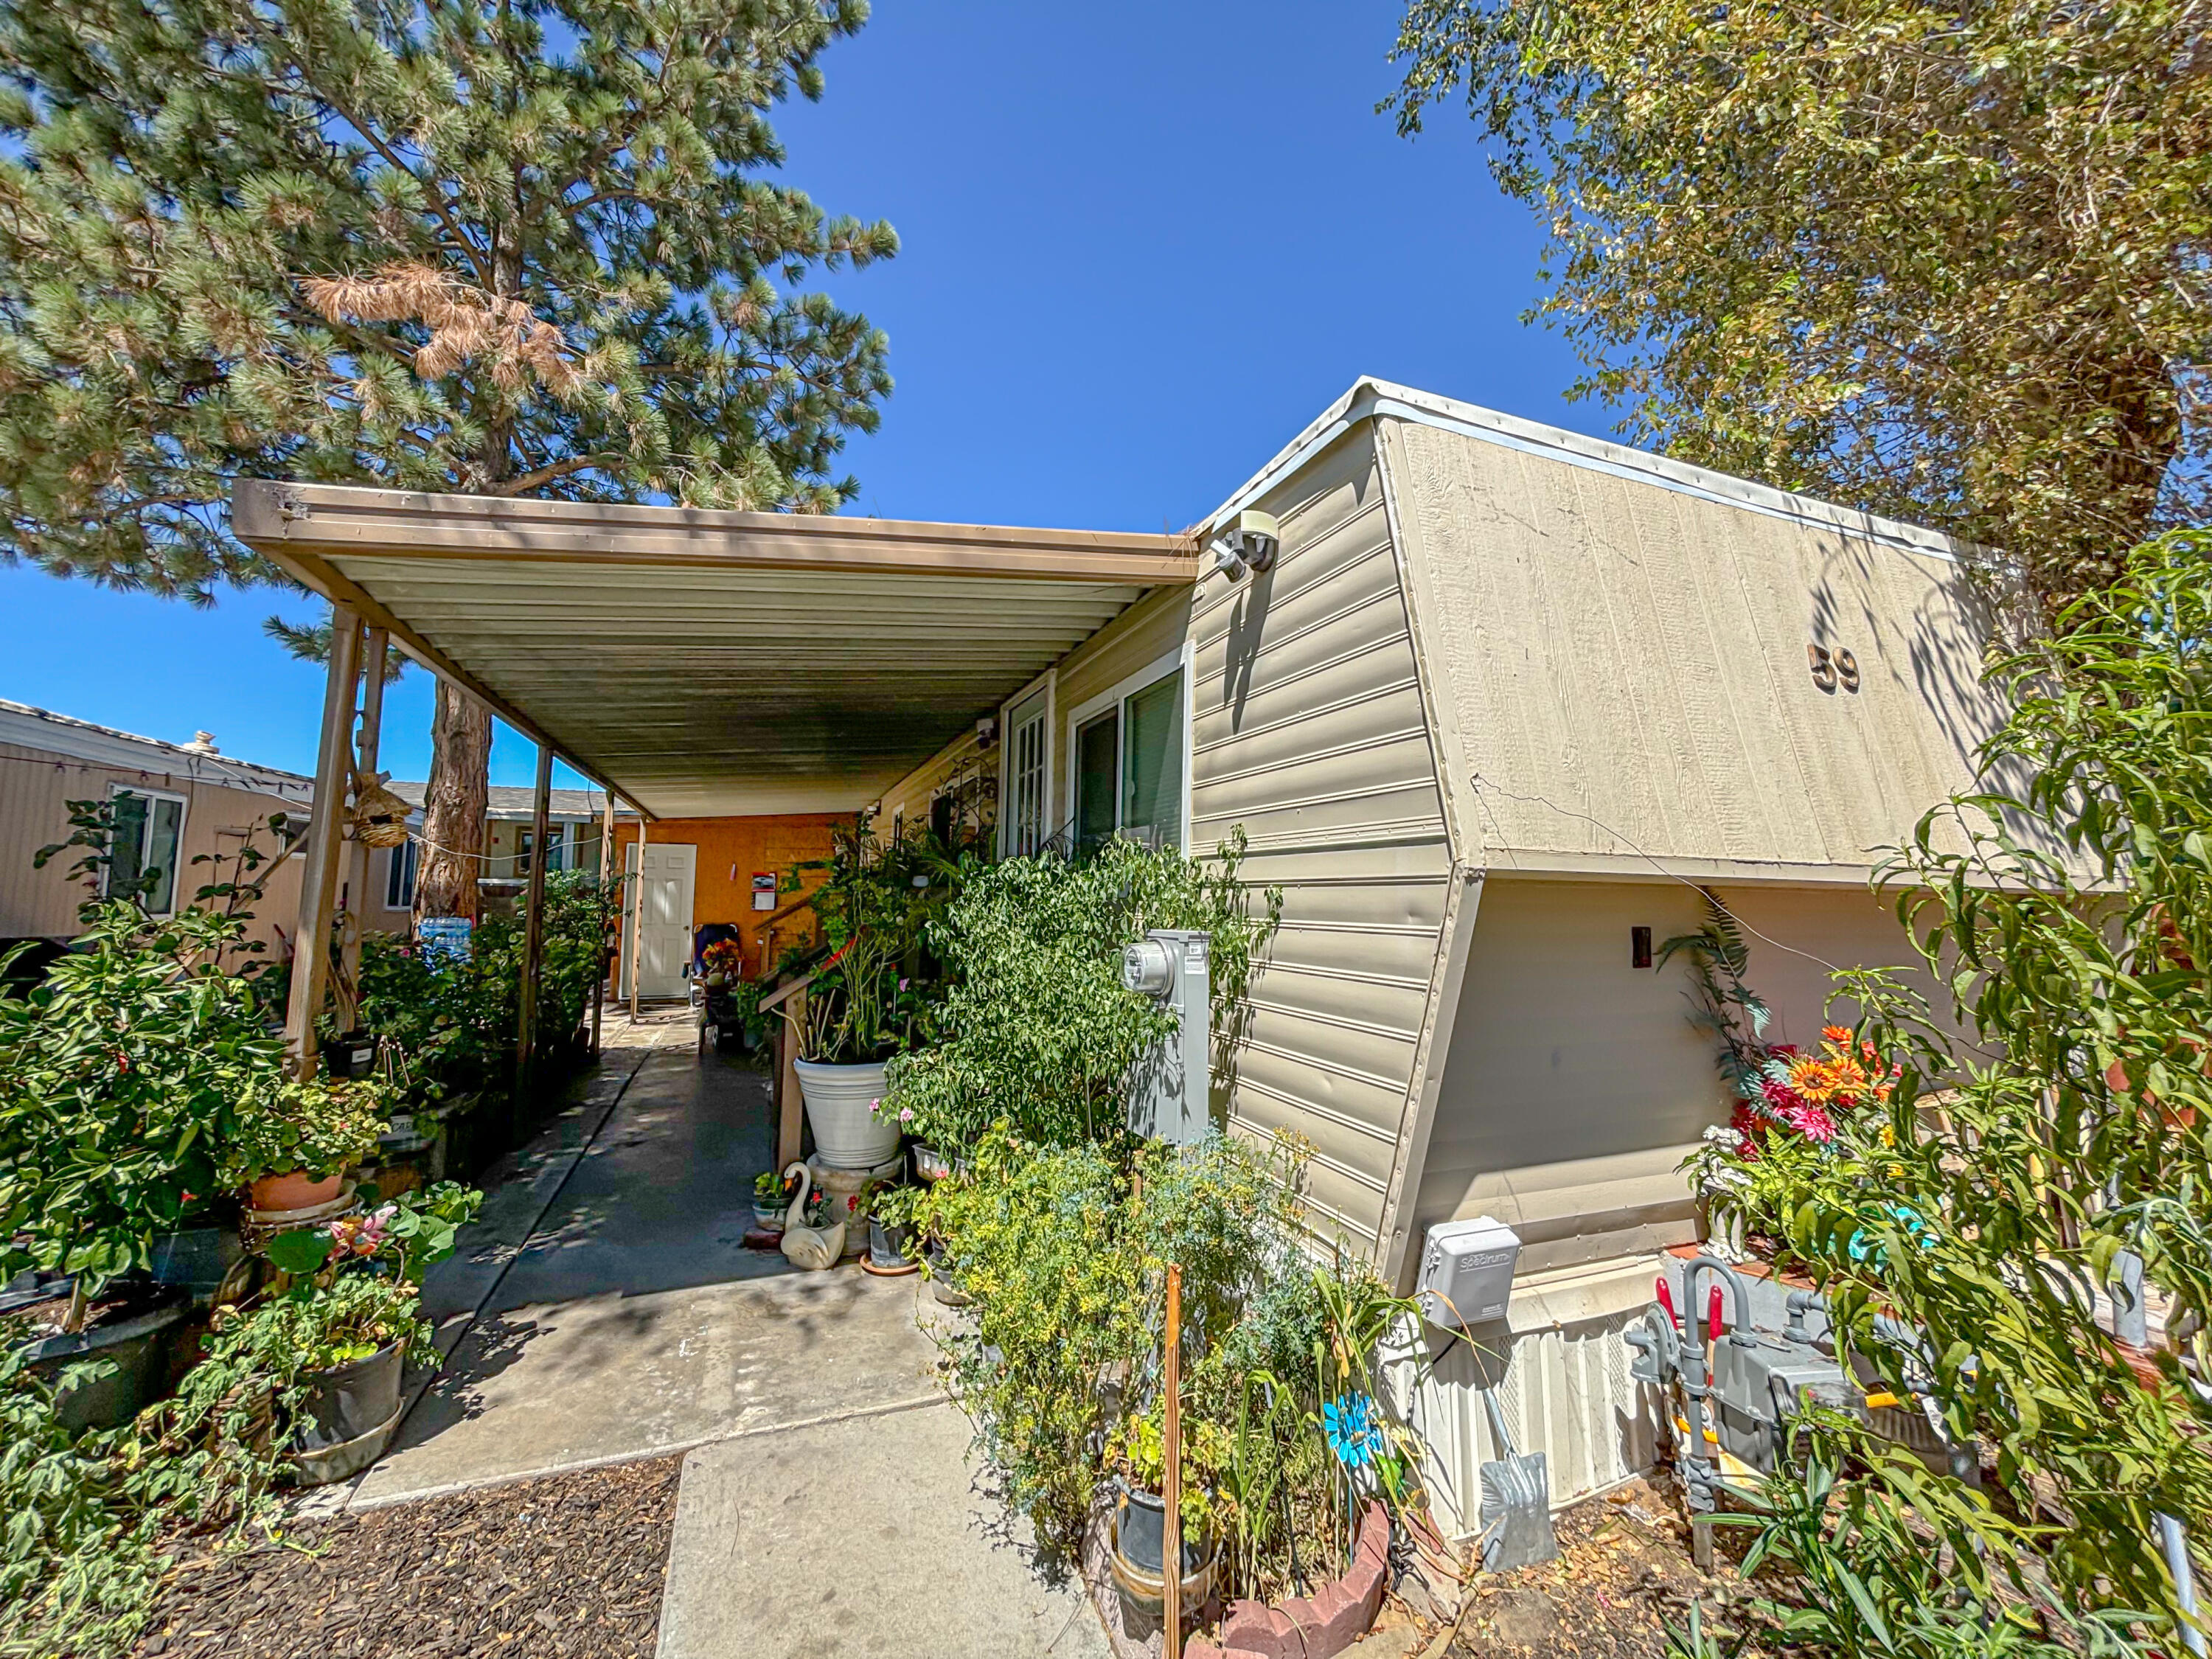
454, 804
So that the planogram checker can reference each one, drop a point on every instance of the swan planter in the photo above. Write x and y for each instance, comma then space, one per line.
849, 1134
816, 1248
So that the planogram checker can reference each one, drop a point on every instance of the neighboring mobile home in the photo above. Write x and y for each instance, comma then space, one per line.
1506, 705
179, 809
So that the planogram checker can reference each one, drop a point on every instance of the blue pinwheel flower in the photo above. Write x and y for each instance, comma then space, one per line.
1354, 1428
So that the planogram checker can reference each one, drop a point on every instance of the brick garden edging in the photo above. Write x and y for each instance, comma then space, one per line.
1312, 1627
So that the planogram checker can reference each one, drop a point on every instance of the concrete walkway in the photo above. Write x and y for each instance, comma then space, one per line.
604, 1309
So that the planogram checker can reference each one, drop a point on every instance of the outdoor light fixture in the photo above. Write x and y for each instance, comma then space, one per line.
1249, 543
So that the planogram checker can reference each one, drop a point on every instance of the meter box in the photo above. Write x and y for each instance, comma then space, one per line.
1170, 1086
1466, 1271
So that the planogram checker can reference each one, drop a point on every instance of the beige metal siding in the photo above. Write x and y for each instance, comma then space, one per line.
1575, 1083
1626, 667
36, 786
1309, 735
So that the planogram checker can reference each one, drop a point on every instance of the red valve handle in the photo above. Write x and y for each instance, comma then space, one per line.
1713, 1314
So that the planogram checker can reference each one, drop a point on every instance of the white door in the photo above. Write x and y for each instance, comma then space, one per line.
665, 941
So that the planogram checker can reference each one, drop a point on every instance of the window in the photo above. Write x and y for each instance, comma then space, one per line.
1128, 765
399, 876
149, 828
1027, 790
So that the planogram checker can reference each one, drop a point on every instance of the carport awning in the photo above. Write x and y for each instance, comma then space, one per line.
707, 663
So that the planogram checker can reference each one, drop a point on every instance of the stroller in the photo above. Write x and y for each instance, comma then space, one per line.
717, 1004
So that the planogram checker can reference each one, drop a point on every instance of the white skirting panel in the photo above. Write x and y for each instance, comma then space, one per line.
1562, 1384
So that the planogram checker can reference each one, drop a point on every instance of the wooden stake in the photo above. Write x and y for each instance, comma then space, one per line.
1171, 1441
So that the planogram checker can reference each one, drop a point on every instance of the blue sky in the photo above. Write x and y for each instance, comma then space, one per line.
1144, 245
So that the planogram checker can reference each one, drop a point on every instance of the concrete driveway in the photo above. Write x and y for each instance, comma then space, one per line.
604, 1309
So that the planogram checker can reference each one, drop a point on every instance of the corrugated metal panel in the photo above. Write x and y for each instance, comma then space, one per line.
714, 691
1309, 735
1563, 1390
1625, 665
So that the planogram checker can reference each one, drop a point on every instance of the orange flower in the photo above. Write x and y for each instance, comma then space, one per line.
1839, 1034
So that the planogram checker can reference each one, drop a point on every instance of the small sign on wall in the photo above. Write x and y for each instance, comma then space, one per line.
763, 890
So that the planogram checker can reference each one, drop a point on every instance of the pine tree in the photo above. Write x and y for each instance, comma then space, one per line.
524, 247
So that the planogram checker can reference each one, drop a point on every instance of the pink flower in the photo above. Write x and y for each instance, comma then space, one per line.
878, 1106
903, 987
906, 1115
1812, 1122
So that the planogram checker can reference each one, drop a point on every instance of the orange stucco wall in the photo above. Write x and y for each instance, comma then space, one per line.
731, 850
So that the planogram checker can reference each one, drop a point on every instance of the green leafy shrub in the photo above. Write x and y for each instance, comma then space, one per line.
315, 1126
2067, 907
1065, 1250
121, 1075
1037, 1028
449, 1026
75, 1571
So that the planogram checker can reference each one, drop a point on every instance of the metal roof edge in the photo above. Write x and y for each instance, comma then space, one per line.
1370, 398
29, 726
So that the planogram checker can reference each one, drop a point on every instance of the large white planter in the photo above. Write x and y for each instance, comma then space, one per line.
848, 1134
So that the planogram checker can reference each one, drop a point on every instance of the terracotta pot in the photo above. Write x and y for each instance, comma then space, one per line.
295, 1190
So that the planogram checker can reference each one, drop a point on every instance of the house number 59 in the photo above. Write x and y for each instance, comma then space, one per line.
1832, 668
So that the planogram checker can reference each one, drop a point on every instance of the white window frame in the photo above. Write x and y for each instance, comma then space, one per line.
1047, 826
1113, 697
394, 856
184, 810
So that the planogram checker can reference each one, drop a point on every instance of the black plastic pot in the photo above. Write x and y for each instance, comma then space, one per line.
1140, 1525
887, 1246
134, 1343
348, 1401
353, 1054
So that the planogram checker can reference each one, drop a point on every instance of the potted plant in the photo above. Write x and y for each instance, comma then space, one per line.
891, 1230
119, 1072
340, 1336
295, 1139
1135, 1449
867, 1002
771, 1198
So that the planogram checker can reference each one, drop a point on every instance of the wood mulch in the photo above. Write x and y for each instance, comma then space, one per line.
570, 1567
1622, 1578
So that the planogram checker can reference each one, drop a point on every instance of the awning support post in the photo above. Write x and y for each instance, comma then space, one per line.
606, 868
533, 929
318, 877
356, 886
636, 920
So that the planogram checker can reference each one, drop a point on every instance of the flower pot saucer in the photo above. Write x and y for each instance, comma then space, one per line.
868, 1265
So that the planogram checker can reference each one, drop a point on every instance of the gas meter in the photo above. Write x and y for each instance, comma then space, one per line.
1169, 1085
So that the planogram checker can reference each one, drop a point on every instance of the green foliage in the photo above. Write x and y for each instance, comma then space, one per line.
1887, 1561
121, 1077
876, 994
1939, 261
2068, 909
76, 1573
404, 1237
211, 1454
1037, 1027
314, 1127
449, 1028
1064, 1251
517, 250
